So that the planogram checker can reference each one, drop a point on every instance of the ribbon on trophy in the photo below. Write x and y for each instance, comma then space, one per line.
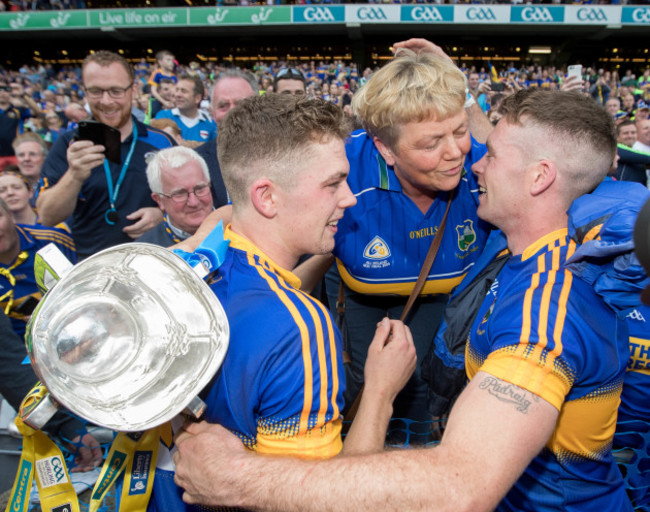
43, 459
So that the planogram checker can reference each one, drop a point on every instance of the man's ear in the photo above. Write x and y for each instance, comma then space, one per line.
544, 175
263, 195
157, 198
385, 151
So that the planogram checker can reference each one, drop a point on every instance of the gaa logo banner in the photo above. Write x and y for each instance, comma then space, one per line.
592, 15
428, 13
482, 14
636, 15
372, 13
537, 14
319, 14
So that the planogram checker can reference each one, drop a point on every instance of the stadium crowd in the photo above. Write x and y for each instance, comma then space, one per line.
167, 116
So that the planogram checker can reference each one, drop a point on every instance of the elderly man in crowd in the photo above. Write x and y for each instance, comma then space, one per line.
180, 184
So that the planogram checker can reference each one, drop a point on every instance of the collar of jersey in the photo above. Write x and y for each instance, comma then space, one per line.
243, 244
550, 240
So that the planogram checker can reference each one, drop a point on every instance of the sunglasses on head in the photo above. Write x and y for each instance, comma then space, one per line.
290, 72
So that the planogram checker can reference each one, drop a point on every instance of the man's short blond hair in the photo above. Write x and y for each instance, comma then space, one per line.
410, 88
270, 136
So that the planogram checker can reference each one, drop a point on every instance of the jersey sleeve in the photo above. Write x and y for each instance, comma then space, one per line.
533, 346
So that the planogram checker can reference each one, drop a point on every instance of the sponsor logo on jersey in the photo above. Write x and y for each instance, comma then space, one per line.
466, 235
377, 249
636, 315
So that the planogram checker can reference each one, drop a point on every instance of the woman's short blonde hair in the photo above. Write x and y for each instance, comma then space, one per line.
410, 88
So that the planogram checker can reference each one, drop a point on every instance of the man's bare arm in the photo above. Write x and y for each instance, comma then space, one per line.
494, 431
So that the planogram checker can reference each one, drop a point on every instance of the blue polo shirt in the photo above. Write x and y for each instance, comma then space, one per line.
88, 225
204, 130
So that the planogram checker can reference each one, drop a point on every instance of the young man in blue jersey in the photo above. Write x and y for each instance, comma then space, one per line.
546, 357
280, 388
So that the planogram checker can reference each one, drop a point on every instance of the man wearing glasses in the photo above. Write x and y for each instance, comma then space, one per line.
289, 81
180, 182
109, 203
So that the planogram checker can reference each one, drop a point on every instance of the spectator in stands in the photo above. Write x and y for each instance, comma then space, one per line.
232, 86
629, 104
17, 194
180, 184
11, 124
196, 125
626, 133
54, 125
613, 106
108, 205
18, 246
289, 81
632, 164
31, 151
74, 113
642, 142
165, 71
166, 88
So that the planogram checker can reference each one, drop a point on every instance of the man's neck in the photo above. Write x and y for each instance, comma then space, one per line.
259, 233
5, 106
27, 216
190, 113
521, 237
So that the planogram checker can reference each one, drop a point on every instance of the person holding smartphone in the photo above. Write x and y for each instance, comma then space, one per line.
109, 203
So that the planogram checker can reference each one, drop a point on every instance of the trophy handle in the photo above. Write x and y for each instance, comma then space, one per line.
50, 265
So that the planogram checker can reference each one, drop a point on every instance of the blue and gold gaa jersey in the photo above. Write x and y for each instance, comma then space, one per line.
281, 385
546, 331
382, 241
17, 280
635, 399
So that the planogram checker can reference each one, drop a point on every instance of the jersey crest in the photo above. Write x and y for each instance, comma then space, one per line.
377, 249
466, 235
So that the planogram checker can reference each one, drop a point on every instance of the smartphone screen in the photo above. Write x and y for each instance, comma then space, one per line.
107, 136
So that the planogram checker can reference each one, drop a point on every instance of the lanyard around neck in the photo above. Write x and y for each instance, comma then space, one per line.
111, 214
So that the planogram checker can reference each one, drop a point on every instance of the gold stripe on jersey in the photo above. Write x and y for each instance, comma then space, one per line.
304, 336
431, 287
48, 234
